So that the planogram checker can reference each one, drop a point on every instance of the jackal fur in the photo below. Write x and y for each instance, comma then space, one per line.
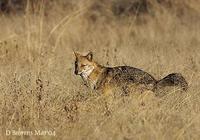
99, 77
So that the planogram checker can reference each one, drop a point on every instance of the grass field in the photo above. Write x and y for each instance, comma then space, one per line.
39, 91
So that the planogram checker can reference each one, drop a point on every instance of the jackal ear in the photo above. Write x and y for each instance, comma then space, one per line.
76, 54
89, 56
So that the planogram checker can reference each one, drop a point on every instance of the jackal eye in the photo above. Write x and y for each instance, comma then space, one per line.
83, 65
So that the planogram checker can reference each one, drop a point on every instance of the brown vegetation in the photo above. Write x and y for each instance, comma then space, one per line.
38, 89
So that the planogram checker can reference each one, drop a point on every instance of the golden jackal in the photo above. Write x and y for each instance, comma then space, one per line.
105, 78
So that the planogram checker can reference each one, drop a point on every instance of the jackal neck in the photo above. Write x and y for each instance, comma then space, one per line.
87, 72
95, 75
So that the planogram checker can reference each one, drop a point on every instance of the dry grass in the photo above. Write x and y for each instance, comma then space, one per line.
38, 89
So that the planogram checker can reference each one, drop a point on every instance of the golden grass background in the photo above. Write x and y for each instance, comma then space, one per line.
38, 89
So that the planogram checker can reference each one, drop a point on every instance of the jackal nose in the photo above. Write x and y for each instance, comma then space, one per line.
76, 72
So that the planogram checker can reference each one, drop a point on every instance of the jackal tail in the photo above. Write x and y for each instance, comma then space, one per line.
173, 79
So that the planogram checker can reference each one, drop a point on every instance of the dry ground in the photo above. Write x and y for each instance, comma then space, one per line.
38, 90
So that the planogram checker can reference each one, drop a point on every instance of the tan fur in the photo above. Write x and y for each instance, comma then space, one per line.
106, 79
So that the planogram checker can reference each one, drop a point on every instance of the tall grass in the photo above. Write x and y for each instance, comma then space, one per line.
38, 90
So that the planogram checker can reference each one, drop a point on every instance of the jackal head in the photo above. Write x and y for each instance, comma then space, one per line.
84, 64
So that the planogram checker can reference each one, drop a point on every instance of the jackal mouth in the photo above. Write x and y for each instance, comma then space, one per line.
78, 73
